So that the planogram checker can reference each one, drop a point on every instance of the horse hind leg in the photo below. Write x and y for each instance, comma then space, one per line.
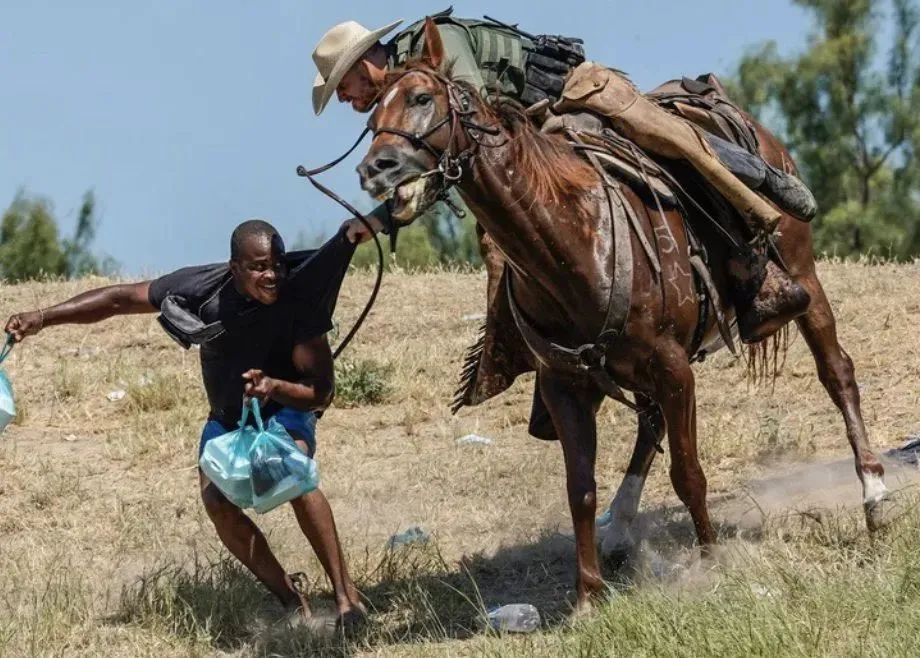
836, 372
620, 538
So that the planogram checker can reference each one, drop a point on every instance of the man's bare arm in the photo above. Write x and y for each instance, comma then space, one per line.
313, 358
85, 308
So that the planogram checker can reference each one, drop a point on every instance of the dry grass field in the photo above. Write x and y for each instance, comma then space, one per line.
105, 549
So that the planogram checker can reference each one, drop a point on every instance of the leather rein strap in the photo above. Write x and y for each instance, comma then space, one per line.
449, 166
309, 175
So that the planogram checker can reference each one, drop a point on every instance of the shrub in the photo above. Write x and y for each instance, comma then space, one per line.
361, 382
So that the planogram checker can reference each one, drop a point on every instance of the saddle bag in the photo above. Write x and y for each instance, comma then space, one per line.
550, 58
547, 60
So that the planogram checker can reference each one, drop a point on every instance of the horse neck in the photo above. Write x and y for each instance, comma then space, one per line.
536, 239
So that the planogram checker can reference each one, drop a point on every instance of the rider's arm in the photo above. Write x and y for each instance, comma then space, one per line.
85, 308
459, 51
313, 359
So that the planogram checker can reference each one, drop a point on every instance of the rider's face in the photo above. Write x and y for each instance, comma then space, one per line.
357, 88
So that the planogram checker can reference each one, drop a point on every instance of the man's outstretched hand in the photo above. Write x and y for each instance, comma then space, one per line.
356, 232
24, 324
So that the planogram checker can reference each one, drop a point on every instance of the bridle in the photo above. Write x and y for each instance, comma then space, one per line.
452, 160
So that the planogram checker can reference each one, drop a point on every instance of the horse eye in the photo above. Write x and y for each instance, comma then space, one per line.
423, 99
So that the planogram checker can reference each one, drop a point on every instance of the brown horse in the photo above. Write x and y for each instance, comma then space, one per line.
547, 213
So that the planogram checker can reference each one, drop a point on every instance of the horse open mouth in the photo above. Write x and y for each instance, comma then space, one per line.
410, 198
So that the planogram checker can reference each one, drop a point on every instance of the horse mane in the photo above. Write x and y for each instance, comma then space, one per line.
554, 172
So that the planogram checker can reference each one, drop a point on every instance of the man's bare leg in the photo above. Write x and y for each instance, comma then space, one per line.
247, 543
314, 515
318, 525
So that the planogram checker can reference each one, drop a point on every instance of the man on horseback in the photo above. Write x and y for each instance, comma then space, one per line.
500, 60
587, 314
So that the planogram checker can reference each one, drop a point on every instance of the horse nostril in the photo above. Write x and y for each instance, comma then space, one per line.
383, 164
385, 161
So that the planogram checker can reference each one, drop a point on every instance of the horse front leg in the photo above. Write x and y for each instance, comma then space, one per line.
676, 393
620, 538
573, 407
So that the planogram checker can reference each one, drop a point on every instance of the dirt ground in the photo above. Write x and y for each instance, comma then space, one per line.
98, 498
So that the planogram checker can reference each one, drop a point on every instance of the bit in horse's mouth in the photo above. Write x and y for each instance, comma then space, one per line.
406, 197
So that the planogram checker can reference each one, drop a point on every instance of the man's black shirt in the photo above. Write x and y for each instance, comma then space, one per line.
255, 335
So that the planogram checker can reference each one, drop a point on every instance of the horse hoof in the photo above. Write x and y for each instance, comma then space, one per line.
618, 555
619, 547
881, 513
581, 610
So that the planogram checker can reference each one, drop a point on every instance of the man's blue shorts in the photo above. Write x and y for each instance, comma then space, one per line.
300, 424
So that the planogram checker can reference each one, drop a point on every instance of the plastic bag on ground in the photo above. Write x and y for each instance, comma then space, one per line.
225, 462
280, 471
7, 406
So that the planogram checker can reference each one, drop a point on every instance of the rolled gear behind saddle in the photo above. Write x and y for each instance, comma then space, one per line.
609, 93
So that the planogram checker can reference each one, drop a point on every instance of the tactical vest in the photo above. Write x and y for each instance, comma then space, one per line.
499, 52
512, 63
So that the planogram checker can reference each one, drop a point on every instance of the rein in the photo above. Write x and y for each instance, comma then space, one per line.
309, 175
449, 166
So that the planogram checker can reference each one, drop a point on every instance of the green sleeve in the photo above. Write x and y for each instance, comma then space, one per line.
460, 53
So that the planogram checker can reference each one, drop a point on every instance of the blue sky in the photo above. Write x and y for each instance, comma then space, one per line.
189, 117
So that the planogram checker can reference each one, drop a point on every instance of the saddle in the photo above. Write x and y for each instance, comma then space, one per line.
704, 102
501, 353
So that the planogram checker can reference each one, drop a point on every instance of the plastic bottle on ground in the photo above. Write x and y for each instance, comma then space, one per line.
515, 618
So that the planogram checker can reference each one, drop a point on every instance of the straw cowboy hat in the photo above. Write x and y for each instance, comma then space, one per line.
336, 52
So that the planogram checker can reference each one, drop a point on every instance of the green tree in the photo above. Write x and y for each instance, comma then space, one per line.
31, 247
852, 124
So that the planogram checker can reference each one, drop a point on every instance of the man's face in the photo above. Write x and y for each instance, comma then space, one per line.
260, 269
358, 88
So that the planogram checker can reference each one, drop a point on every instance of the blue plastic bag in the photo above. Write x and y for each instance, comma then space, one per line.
259, 467
280, 471
7, 406
225, 462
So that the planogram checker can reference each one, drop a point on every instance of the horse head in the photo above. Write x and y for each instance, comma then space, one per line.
421, 141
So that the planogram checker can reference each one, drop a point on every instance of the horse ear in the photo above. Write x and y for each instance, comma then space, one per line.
433, 51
